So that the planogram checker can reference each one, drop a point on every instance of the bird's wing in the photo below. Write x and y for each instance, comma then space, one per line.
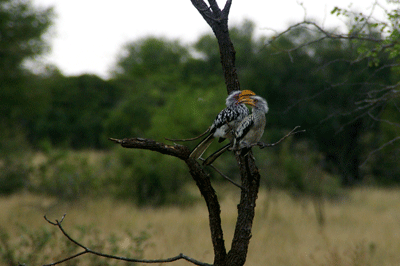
230, 114
244, 127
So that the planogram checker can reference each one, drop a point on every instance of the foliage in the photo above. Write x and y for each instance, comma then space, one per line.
162, 88
22, 28
374, 36
377, 42
383, 162
76, 110
14, 151
151, 55
14, 175
132, 114
324, 101
70, 176
149, 186
65, 176
189, 111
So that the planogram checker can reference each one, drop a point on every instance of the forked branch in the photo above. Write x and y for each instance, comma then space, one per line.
201, 178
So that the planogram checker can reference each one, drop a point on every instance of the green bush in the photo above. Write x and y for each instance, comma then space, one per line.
296, 168
67, 176
14, 175
149, 178
14, 157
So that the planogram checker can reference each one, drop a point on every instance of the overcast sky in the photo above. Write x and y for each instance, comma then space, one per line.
89, 34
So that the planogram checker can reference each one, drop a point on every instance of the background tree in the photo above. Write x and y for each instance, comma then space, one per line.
70, 119
22, 28
358, 83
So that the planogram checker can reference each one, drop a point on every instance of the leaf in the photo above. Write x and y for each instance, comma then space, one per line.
335, 10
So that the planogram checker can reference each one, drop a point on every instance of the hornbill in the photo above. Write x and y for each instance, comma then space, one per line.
226, 121
249, 131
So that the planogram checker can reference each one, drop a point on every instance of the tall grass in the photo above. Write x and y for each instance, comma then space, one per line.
360, 229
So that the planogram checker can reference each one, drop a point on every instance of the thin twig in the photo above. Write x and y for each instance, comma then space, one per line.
262, 145
379, 149
327, 35
89, 251
223, 175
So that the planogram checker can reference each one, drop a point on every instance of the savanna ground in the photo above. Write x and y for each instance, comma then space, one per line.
362, 228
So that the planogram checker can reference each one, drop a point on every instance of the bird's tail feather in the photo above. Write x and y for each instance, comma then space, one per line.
216, 154
202, 146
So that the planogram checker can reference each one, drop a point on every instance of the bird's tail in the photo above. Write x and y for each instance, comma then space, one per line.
202, 146
183, 140
216, 154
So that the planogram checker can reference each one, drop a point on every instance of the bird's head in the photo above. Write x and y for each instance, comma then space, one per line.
236, 96
256, 101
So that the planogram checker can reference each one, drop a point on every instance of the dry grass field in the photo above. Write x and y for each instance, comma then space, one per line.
361, 229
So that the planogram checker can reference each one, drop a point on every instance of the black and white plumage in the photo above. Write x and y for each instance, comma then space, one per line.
249, 131
251, 128
225, 122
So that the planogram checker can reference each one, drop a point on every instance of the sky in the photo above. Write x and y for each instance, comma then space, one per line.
89, 35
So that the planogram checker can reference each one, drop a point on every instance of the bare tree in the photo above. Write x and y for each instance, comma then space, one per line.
250, 177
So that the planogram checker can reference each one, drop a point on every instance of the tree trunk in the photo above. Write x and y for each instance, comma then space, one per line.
218, 21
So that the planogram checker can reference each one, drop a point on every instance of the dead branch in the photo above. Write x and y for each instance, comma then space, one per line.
218, 21
176, 150
87, 250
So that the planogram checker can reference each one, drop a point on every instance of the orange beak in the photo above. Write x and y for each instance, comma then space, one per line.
244, 96
247, 100
247, 93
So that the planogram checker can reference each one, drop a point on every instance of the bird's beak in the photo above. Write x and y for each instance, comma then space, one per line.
247, 100
247, 93
244, 97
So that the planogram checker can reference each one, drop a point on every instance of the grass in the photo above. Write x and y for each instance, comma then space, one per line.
361, 229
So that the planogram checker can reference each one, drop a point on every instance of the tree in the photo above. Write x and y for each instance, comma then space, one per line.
22, 28
218, 20
76, 110
378, 46
147, 72
364, 85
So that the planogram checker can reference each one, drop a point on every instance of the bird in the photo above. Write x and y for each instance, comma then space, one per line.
251, 128
249, 131
226, 121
